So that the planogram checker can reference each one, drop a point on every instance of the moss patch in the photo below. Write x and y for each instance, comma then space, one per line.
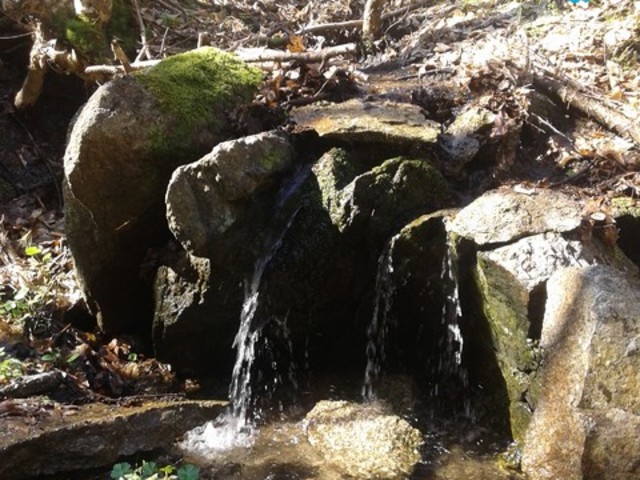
196, 88
88, 39
91, 39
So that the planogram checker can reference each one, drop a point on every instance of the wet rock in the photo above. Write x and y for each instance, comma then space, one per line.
587, 418
206, 198
126, 141
369, 122
95, 435
334, 215
363, 441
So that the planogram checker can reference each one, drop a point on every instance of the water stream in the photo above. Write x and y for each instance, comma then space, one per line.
379, 326
236, 427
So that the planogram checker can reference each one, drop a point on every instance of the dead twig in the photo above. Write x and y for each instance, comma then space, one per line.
247, 55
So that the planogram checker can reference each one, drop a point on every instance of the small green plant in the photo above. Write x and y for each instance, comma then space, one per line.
10, 367
151, 471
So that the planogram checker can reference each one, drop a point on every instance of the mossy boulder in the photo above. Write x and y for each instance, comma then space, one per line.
122, 150
380, 200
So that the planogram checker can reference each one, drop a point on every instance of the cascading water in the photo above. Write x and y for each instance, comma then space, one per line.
452, 309
379, 326
236, 427
452, 346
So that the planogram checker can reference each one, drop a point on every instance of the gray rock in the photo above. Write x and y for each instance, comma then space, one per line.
503, 216
369, 122
206, 198
462, 139
587, 418
521, 240
363, 441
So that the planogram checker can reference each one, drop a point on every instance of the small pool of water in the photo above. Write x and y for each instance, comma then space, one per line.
280, 450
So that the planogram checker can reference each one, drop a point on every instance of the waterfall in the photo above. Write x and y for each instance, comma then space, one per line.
452, 345
379, 326
236, 427
451, 308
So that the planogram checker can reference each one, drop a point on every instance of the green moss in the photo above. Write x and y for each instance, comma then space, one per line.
505, 306
88, 39
196, 87
625, 206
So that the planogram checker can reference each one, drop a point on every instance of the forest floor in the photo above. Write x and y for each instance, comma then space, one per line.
591, 52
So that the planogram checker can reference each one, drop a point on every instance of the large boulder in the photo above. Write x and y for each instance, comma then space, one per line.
363, 441
587, 420
519, 240
125, 143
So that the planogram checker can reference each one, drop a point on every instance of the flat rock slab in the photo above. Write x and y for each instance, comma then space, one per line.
504, 216
40, 438
376, 122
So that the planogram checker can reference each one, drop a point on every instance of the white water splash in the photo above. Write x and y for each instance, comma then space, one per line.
379, 326
236, 427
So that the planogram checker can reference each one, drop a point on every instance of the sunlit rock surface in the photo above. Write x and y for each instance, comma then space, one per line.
207, 197
77, 438
520, 241
363, 441
369, 121
587, 420
505, 215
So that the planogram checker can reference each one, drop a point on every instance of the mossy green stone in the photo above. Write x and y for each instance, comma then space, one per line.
195, 88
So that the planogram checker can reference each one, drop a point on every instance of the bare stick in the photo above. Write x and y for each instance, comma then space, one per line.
603, 114
249, 56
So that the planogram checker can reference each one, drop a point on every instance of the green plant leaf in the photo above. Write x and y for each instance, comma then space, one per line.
119, 470
148, 468
167, 470
188, 472
32, 250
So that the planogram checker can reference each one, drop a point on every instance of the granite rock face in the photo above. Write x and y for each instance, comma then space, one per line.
587, 419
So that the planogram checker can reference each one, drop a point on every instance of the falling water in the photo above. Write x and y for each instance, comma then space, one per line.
450, 365
452, 309
236, 427
379, 326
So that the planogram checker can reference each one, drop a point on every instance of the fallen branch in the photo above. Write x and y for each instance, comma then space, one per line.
588, 105
264, 55
248, 55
